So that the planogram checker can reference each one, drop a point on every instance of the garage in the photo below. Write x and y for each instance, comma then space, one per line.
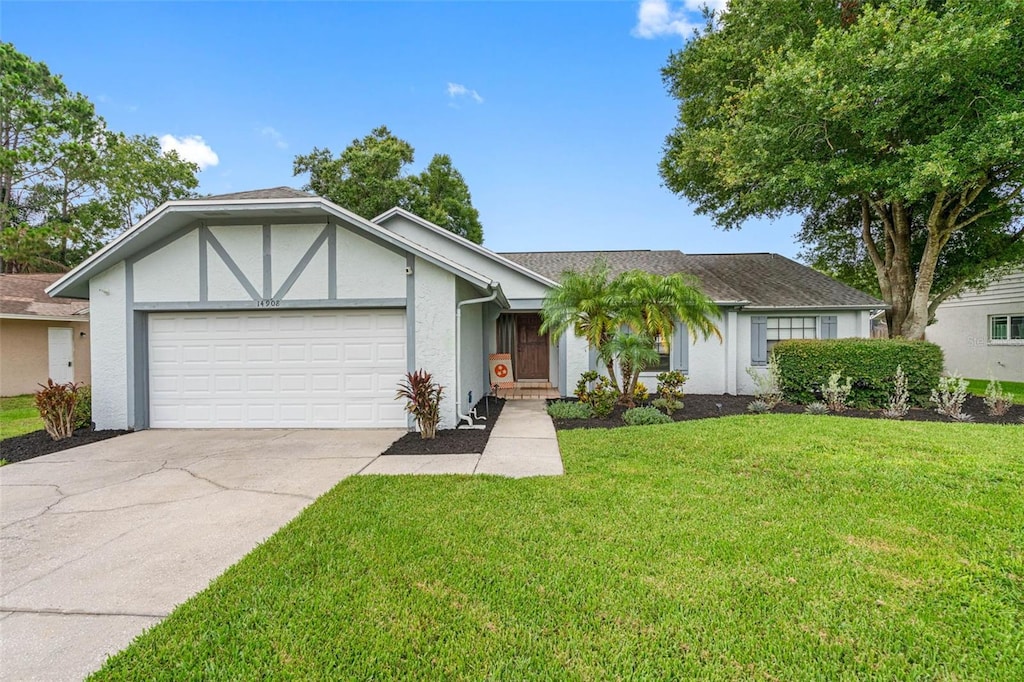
276, 369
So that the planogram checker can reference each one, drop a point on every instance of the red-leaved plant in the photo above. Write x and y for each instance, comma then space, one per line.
56, 404
423, 400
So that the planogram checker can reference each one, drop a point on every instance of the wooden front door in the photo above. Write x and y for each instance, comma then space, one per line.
531, 348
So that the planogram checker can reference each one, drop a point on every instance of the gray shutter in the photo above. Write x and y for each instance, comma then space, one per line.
758, 339
681, 349
829, 326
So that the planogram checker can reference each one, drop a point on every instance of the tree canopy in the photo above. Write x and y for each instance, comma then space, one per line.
68, 183
371, 176
897, 127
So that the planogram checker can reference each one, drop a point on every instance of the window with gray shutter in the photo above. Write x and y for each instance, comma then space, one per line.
759, 340
681, 349
829, 326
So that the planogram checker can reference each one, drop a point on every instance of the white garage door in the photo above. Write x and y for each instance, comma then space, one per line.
292, 369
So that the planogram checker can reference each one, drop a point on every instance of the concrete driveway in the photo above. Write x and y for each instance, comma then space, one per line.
102, 541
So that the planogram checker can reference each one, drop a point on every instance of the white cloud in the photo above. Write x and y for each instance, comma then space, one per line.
191, 148
457, 90
656, 18
274, 136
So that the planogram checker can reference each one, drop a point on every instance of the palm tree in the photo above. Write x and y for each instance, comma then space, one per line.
598, 308
650, 306
653, 305
584, 302
635, 353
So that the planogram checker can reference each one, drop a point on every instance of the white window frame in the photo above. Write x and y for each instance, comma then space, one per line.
808, 323
1008, 319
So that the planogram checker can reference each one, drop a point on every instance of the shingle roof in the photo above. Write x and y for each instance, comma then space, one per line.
269, 193
764, 279
26, 295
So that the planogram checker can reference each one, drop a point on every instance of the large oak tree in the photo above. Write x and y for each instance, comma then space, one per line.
898, 122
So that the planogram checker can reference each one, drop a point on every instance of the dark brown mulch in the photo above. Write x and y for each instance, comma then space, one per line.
452, 441
709, 406
38, 443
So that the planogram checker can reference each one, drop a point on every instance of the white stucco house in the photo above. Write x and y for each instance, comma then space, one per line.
275, 308
982, 332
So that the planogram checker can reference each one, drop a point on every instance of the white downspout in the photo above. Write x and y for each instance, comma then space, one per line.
458, 359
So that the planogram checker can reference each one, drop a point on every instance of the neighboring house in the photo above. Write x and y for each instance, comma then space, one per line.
275, 308
40, 337
982, 332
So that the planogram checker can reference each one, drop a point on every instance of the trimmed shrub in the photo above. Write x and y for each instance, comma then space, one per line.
583, 386
997, 400
604, 401
835, 393
804, 366
83, 409
56, 404
564, 409
816, 408
899, 402
667, 405
767, 384
759, 407
423, 400
596, 390
950, 396
645, 416
670, 386
640, 393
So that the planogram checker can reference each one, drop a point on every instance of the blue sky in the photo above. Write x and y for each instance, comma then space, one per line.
554, 112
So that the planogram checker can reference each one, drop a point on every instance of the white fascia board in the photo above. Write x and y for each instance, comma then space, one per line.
814, 308
462, 241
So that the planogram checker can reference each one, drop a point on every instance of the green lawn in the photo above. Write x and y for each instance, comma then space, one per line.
978, 386
18, 415
757, 547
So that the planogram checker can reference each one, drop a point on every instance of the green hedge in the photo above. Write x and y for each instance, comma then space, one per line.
806, 364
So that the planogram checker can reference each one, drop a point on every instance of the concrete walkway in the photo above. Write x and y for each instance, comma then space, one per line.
522, 444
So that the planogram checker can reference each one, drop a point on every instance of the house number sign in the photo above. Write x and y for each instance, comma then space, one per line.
268, 303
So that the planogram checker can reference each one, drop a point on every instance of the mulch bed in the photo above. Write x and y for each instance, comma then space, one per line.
38, 443
452, 441
711, 406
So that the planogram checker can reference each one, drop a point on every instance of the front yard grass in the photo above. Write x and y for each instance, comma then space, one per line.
18, 415
754, 547
978, 386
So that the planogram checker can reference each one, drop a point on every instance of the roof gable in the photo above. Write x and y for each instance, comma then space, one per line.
390, 214
173, 217
517, 280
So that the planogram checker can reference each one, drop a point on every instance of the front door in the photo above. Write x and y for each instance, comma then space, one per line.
531, 348
61, 352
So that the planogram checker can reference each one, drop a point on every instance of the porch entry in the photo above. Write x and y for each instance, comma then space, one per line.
518, 334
